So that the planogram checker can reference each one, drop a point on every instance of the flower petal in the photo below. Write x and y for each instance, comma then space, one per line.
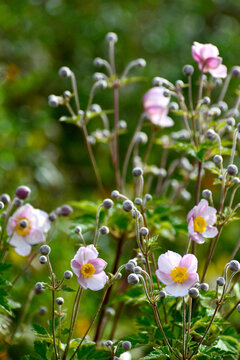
190, 262
212, 63
20, 245
35, 237
219, 72
210, 232
168, 261
83, 282
97, 282
99, 264
181, 289
85, 254
164, 278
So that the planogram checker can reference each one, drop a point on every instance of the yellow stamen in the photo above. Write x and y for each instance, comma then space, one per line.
199, 224
23, 231
88, 270
179, 274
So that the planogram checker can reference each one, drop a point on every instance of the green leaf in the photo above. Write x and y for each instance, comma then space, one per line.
158, 353
40, 348
39, 329
4, 267
67, 289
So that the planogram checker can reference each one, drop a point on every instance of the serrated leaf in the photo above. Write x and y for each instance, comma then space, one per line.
39, 329
40, 348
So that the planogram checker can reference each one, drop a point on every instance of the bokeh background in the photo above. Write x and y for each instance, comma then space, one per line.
37, 37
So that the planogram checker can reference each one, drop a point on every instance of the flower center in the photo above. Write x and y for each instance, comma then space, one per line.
179, 274
199, 224
88, 270
23, 227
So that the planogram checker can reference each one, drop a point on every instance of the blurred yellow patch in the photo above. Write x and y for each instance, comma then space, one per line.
15, 258
12, 72
82, 325
36, 139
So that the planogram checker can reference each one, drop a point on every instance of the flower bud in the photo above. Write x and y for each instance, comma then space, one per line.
137, 270
236, 180
139, 256
204, 287
42, 259
38, 288
67, 94
157, 81
135, 213
64, 72
5, 198
104, 230
188, 70
238, 127
207, 194
110, 311
141, 138
52, 217
45, 250
235, 71
179, 83
101, 84
60, 301
234, 265
111, 37
133, 279
218, 159
127, 205
238, 307
53, 100
193, 292
138, 201
42, 310
210, 134
2, 205
119, 276
107, 203
126, 345
65, 210
141, 63
162, 294
231, 121
23, 192
232, 170
173, 106
214, 111
108, 343
77, 230
91, 140
137, 172
206, 100
144, 231
115, 194
122, 125
223, 106
221, 281
99, 76
68, 274
129, 266
148, 197
166, 93
98, 62
18, 202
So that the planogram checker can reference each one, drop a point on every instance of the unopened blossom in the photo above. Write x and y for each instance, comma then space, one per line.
89, 268
178, 273
156, 106
208, 60
26, 227
200, 222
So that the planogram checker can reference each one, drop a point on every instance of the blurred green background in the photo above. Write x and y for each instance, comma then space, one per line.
37, 37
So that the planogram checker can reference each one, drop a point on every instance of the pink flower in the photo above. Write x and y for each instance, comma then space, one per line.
89, 268
200, 222
177, 272
156, 106
26, 227
208, 60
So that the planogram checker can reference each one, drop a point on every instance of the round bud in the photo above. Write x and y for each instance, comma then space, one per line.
204, 287
104, 230
231, 121
111, 37
108, 343
210, 134
141, 138
188, 70
78, 230
135, 213
157, 81
45, 249
238, 127
67, 94
232, 170
235, 71
2, 205
116, 358
223, 106
220, 177
238, 307
119, 276
23, 192
162, 294
137, 171
179, 83
148, 197
96, 108
234, 265
236, 180
221, 281
42, 310
122, 125
68, 274
65, 210
144, 231
18, 202
193, 292
218, 159
217, 81
143, 261
214, 111
133, 279
64, 72
5, 198
42, 259
139, 256
206, 100
91, 140
23, 223
166, 93
60, 301
4, 214
141, 63
98, 76
138, 201
38, 288
137, 270
98, 62
101, 84
107, 203
126, 345
127, 205
110, 311
130, 266
115, 194
52, 217
207, 194
53, 101
173, 106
